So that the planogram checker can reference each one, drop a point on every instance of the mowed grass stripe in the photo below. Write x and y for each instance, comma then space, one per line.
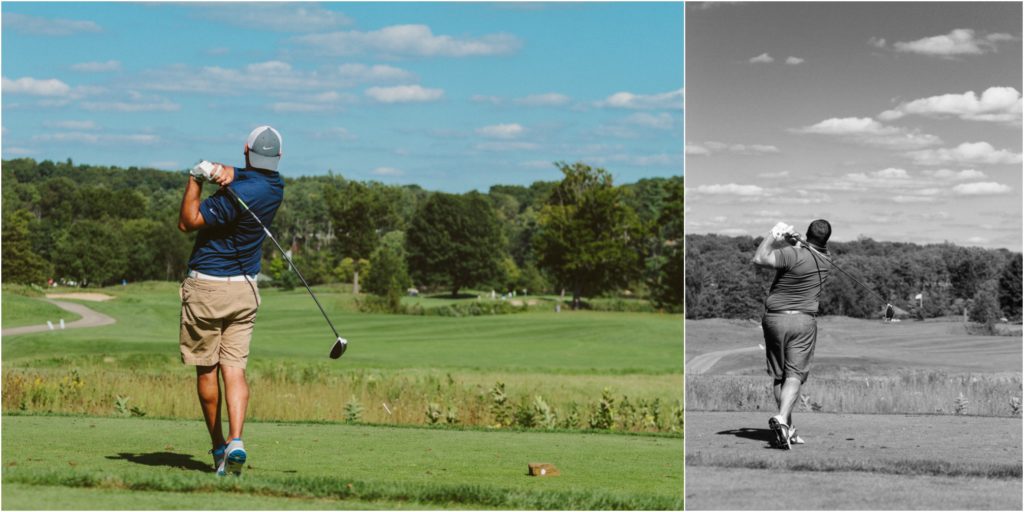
929, 467
433, 466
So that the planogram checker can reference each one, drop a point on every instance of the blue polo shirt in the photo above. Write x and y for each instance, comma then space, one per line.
231, 243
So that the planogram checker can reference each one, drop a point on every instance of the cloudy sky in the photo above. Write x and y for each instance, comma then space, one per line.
894, 121
449, 96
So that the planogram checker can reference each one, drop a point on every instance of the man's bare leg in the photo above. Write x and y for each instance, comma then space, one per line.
236, 392
787, 398
208, 389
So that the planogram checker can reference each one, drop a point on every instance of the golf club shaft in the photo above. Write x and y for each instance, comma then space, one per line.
837, 267
286, 257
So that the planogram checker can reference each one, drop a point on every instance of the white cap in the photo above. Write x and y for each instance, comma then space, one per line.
264, 145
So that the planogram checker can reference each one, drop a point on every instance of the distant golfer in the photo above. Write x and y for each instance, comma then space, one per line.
219, 298
790, 328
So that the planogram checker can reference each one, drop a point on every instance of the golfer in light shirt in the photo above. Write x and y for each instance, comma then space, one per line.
219, 298
789, 323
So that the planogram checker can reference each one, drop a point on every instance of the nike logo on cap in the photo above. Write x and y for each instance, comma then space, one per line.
267, 148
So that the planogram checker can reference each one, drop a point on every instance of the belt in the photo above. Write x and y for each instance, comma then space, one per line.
199, 275
789, 312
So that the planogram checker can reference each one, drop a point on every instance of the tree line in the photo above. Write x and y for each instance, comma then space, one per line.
584, 235
722, 282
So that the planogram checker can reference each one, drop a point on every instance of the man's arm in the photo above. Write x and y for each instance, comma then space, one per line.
189, 218
766, 254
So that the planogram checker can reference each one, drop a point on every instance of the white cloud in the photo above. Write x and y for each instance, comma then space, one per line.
272, 76
35, 86
506, 146
793, 61
661, 121
983, 188
97, 67
387, 171
961, 41
877, 42
742, 149
277, 17
133, 106
375, 73
550, 99
666, 100
480, 98
404, 94
696, 149
501, 131
72, 125
868, 132
97, 138
966, 153
324, 102
26, 24
763, 58
774, 175
950, 175
996, 104
731, 189
410, 40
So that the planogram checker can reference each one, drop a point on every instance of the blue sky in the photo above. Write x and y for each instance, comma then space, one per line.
451, 96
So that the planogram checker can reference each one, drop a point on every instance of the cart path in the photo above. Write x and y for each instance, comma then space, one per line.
89, 318
704, 362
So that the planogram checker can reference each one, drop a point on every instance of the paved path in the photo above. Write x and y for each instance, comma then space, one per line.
89, 318
704, 362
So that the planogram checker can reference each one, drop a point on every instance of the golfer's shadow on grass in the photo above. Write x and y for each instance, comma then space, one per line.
757, 434
169, 459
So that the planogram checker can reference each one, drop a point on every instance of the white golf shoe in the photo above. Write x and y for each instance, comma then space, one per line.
234, 458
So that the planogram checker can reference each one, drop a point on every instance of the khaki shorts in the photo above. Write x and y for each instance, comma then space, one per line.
217, 318
789, 344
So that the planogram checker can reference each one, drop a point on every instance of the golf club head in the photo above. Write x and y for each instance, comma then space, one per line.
889, 312
339, 347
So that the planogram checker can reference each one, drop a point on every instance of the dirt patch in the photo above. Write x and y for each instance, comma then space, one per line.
94, 297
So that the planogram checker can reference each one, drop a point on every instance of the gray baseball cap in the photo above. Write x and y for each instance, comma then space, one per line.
264, 145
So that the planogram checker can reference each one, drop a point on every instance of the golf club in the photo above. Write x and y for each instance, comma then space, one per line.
796, 239
340, 344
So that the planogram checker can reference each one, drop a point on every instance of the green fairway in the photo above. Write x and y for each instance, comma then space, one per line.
366, 467
19, 310
289, 327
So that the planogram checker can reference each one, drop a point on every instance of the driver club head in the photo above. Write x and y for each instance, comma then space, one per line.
339, 347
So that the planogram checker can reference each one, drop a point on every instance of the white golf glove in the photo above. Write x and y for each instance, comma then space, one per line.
204, 171
781, 229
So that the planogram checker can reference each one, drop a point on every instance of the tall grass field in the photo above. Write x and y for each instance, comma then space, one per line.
583, 381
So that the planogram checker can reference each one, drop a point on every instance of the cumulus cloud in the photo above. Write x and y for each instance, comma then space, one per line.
774, 175
97, 138
269, 76
506, 146
551, 99
661, 121
793, 61
983, 188
996, 104
133, 101
693, 148
966, 153
404, 94
961, 41
72, 125
387, 171
276, 17
868, 132
409, 40
33, 25
764, 58
742, 149
666, 100
97, 67
501, 131
950, 175
35, 86
731, 189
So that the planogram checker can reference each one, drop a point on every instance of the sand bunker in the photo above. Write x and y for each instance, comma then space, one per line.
95, 297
